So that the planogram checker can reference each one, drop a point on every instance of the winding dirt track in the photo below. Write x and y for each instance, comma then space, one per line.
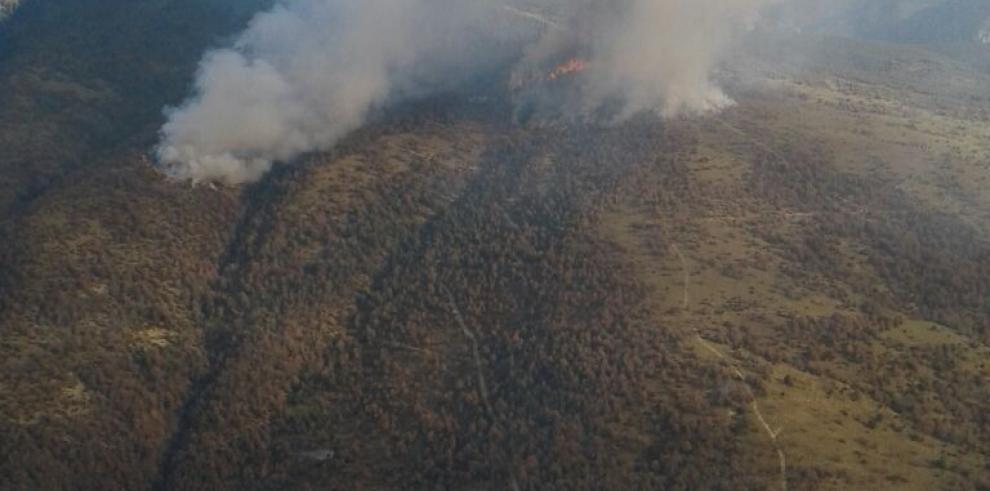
773, 434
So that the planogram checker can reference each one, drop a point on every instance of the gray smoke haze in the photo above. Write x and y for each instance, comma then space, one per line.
307, 72
651, 55
7, 6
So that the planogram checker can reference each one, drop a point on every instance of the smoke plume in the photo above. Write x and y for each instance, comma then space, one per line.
7, 6
307, 72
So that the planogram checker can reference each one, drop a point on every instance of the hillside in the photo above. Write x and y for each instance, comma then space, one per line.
924, 22
793, 293
952, 21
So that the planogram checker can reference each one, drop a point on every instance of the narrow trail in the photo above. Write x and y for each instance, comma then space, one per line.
482, 385
773, 434
533, 16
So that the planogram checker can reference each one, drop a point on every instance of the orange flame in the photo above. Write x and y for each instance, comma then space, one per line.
574, 65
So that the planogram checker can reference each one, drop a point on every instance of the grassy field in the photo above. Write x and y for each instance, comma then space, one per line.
743, 287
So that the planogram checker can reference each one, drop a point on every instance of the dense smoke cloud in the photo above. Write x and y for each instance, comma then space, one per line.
300, 77
651, 55
7, 6
309, 71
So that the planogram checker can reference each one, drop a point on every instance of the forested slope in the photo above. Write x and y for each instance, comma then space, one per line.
793, 292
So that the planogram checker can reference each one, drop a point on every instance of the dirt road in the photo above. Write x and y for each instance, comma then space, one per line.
773, 434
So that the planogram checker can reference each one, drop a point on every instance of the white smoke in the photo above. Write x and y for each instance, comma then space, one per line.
300, 77
7, 6
669, 69
652, 55
307, 72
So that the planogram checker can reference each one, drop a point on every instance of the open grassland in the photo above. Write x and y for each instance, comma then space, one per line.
840, 405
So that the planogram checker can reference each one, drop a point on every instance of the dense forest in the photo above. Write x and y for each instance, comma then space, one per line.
792, 293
